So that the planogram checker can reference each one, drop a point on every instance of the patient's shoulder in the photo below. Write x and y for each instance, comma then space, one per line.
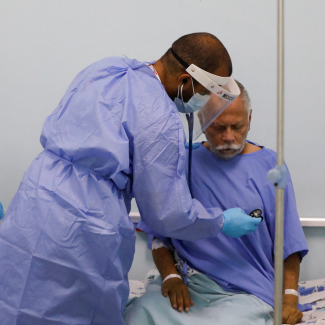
250, 148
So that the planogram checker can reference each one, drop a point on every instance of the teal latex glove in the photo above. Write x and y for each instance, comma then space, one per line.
237, 223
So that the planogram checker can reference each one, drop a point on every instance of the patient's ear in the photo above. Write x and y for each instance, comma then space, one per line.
250, 119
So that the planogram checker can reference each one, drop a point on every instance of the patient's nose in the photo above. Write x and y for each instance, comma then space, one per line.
228, 136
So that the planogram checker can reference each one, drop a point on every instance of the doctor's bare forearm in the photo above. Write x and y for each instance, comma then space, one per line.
164, 261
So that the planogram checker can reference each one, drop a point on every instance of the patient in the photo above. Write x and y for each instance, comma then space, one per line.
226, 280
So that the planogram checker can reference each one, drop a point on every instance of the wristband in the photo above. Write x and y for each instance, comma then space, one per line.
172, 276
158, 243
291, 292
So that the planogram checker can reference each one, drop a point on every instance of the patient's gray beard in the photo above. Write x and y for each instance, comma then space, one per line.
216, 150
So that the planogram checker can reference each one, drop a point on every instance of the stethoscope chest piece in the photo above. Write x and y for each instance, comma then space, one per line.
257, 213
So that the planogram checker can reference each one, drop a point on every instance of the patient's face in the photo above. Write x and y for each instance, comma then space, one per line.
228, 133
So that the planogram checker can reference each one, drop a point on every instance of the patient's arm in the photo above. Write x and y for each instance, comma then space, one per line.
291, 269
175, 288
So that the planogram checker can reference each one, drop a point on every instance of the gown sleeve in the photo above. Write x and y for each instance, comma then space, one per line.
159, 180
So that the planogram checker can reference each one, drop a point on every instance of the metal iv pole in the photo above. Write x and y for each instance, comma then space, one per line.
278, 174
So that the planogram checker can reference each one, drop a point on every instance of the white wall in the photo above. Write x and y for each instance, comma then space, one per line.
45, 43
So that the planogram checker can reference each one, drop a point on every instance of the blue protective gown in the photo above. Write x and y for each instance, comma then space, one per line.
245, 263
67, 243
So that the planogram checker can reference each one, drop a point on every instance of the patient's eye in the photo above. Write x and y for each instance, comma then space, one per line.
237, 126
218, 128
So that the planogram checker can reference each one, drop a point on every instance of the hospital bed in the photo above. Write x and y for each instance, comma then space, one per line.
311, 292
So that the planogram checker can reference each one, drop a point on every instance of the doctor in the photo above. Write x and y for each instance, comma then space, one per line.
67, 243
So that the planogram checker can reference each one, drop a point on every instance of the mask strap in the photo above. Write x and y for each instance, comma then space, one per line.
193, 86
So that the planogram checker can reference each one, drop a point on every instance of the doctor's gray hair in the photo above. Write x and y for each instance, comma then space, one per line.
245, 96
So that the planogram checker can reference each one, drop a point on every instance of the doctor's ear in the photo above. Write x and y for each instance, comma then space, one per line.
184, 79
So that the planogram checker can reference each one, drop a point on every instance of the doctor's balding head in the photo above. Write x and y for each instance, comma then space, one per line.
202, 49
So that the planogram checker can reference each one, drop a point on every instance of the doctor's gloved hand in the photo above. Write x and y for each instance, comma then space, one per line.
237, 223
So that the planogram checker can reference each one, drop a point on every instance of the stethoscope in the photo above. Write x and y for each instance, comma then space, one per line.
190, 121
257, 213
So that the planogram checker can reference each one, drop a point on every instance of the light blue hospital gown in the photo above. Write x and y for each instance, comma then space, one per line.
242, 265
67, 243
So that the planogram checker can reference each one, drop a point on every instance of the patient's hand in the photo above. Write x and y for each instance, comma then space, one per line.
178, 293
290, 313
